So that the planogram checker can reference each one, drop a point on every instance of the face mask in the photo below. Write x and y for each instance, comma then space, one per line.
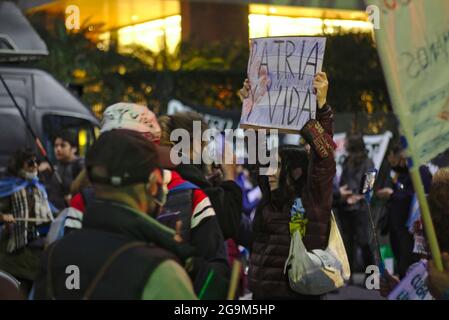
28, 175
159, 201
161, 196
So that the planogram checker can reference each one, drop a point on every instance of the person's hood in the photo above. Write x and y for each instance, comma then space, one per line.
192, 173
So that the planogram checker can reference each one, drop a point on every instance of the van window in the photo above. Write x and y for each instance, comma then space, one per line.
13, 132
13, 135
83, 129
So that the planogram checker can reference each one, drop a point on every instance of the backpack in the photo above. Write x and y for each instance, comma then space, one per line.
178, 207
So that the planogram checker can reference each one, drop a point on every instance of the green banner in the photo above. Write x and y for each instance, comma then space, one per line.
413, 43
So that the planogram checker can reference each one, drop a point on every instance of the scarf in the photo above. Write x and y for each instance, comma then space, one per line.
28, 200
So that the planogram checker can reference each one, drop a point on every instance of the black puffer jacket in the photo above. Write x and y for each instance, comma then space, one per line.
271, 234
226, 198
269, 253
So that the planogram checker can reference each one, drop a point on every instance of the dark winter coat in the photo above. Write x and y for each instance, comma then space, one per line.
271, 243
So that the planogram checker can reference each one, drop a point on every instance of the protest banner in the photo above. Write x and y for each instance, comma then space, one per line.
376, 146
414, 50
413, 286
281, 72
219, 119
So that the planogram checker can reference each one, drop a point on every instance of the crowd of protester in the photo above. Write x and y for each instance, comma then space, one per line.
139, 227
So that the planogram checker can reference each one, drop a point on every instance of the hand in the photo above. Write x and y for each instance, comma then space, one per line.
244, 92
7, 218
387, 283
345, 192
384, 194
229, 171
177, 235
321, 84
67, 198
438, 281
353, 199
44, 166
216, 175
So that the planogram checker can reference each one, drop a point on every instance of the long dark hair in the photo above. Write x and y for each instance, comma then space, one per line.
18, 159
291, 157
356, 149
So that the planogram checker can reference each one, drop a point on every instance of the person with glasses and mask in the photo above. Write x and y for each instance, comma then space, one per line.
186, 203
122, 251
24, 211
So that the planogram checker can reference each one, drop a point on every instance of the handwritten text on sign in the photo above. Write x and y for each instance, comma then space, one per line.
413, 44
413, 286
281, 72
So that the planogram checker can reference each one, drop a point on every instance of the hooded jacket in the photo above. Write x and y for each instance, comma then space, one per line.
203, 232
147, 271
226, 199
271, 241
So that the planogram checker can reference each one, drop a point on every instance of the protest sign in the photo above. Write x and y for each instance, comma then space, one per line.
376, 145
413, 286
281, 72
414, 50
218, 119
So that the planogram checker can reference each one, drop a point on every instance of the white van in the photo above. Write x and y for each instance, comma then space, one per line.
47, 105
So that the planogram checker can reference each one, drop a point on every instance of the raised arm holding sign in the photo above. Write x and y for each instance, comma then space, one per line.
282, 72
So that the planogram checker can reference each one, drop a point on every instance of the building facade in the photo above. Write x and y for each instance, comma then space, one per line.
164, 24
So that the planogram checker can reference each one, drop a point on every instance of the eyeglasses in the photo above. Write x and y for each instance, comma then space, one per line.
31, 162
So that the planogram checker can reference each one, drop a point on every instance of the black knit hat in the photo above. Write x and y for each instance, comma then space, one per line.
125, 156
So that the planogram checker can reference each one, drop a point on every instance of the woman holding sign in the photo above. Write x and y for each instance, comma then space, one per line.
303, 185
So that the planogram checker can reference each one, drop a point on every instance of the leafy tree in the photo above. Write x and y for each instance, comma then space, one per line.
209, 75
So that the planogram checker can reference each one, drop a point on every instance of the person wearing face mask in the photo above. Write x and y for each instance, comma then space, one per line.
398, 199
186, 202
301, 188
218, 183
24, 210
123, 252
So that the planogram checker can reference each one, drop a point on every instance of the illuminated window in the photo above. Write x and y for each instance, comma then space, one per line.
98, 109
154, 35
267, 21
104, 41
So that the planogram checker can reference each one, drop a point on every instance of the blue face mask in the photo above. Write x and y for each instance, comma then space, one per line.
28, 175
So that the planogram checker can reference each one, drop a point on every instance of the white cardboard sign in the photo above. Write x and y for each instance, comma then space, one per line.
281, 72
